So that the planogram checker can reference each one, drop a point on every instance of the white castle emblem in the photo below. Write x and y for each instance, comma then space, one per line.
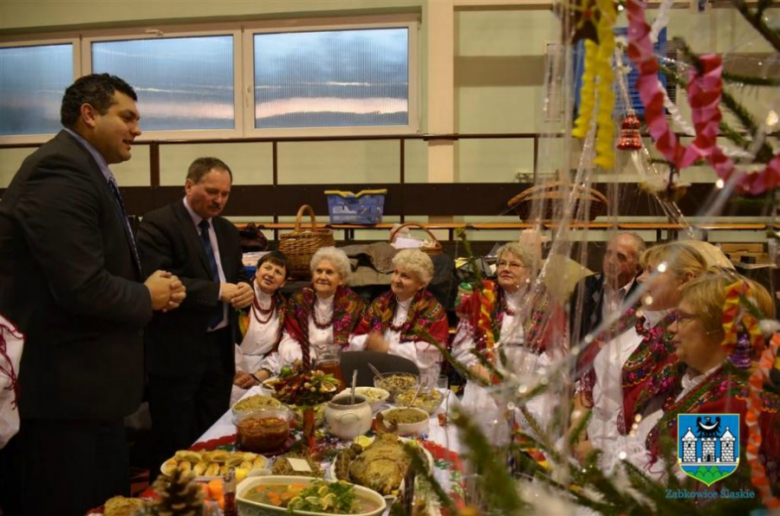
717, 448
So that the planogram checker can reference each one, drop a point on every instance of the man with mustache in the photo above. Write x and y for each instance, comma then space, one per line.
190, 359
71, 281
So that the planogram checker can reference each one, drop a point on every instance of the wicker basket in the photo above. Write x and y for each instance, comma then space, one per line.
554, 192
434, 250
300, 244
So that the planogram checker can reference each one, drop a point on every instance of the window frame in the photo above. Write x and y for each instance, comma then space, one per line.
22, 139
409, 21
179, 33
243, 72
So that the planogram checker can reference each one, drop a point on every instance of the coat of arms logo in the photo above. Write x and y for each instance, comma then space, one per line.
708, 445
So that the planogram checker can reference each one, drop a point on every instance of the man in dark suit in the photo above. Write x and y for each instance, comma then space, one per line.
190, 352
71, 280
603, 293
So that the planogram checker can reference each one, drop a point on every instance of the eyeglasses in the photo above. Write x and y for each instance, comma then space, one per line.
680, 316
511, 265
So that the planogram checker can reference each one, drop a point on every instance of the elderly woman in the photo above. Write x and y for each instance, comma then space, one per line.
401, 321
512, 316
716, 337
630, 365
323, 314
261, 325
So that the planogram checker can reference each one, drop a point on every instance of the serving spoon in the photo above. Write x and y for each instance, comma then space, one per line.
375, 371
354, 385
417, 393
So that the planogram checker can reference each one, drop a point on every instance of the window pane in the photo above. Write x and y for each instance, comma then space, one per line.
32, 81
332, 78
182, 83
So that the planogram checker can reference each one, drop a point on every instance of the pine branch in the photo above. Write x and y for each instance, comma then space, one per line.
749, 80
472, 261
582, 424
502, 493
758, 23
484, 362
763, 5
445, 353
765, 153
421, 466
748, 121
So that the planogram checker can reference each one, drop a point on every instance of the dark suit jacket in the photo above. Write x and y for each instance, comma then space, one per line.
168, 240
592, 303
69, 281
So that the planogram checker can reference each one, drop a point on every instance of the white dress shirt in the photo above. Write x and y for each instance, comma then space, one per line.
215, 247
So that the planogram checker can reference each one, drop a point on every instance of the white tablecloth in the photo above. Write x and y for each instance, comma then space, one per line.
443, 435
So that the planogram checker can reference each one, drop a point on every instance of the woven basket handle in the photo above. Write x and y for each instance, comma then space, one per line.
394, 233
303, 208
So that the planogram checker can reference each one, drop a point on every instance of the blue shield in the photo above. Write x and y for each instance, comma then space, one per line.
708, 445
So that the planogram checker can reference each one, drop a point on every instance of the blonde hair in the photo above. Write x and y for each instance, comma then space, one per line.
527, 254
713, 256
681, 258
415, 262
335, 256
707, 294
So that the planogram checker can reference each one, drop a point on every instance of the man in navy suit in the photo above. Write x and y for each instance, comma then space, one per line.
71, 280
190, 352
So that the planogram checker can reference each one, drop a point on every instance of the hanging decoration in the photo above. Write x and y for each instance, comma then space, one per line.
596, 94
629, 133
705, 87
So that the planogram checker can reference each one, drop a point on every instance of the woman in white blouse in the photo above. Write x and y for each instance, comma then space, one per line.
261, 326
516, 317
322, 314
403, 320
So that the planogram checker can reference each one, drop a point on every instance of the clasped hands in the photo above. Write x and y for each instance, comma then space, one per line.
239, 295
167, 290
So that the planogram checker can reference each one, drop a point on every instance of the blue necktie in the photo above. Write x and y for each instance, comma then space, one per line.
216, 318
123, 216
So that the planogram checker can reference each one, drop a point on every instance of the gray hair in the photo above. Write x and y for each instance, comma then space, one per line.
522, 251
335, 256
416, 262
639, 244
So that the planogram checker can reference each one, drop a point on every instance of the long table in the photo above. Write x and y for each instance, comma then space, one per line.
441, 442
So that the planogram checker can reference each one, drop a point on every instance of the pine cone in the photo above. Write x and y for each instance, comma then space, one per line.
179, 495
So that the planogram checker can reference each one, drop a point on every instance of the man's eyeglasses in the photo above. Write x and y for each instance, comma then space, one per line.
511, 265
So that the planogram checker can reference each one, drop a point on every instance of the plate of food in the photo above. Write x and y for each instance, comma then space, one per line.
256, 402
206, 465
379, 463
309, 388
265, 496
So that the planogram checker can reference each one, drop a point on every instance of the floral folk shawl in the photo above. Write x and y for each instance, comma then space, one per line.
651, 371
348, 308
484, 309
426, 315
725, 391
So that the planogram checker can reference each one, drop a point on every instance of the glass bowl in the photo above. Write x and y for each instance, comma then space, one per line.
428, 400
263, 430
396, 383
